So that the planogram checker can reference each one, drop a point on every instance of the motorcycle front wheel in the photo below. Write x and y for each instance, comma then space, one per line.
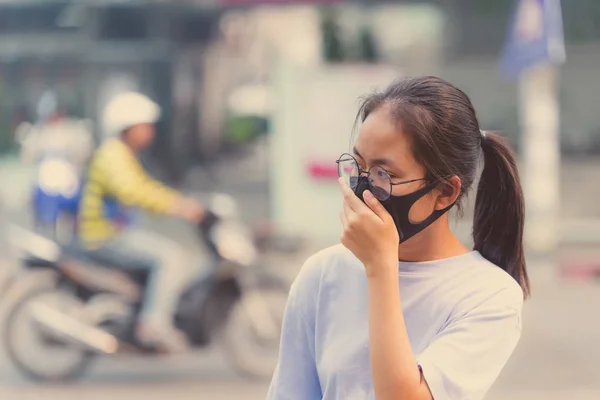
39, 354
251, 336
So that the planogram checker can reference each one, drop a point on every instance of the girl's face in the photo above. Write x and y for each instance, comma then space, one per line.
381, 142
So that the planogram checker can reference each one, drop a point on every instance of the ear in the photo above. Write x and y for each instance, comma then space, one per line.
448, 192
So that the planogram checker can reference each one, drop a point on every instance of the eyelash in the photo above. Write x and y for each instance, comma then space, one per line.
392, 176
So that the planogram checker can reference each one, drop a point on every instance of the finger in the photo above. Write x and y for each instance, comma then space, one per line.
346, 240
349, 212
347, 243
344, 219
350, 197
345, 237
375, 205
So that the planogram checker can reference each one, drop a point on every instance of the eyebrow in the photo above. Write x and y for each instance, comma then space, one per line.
380, 161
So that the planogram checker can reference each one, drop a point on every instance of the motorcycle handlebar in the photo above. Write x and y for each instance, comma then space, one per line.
209, 220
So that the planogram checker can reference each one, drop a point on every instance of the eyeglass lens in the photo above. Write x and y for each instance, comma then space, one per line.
379, 180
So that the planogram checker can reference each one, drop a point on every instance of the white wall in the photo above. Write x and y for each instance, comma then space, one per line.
313, 120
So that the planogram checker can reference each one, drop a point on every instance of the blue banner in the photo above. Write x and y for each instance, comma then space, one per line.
535, 36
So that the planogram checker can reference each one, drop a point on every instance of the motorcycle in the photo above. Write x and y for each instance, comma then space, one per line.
87, 310
56, 187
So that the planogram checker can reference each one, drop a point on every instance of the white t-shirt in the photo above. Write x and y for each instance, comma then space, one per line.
70, 137
463, 316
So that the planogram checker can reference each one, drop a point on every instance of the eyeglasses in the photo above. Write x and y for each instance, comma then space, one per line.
380, 182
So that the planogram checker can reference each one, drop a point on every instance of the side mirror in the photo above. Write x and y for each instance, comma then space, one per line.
223, 205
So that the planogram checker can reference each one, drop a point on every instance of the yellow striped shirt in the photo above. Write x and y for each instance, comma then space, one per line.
116, 173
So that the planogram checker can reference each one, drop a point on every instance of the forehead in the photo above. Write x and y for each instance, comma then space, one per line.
381, 137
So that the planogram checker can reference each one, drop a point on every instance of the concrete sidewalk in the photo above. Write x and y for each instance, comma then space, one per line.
558, 355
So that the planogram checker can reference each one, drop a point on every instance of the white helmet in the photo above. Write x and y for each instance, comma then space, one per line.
126, 110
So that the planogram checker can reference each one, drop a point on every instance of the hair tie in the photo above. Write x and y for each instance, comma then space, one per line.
483, 133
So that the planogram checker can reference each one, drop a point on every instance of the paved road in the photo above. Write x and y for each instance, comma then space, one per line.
557, 358
198, 376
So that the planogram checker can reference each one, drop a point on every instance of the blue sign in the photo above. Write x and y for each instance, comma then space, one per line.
535, 36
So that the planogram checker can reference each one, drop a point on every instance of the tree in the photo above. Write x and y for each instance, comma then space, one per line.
368, 47
332, 46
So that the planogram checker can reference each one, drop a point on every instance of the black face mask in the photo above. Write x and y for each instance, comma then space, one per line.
399, 208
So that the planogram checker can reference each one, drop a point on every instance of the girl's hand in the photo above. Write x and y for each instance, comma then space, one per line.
369, 231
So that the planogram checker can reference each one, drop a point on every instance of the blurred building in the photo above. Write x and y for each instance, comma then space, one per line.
192, 56
475, 32
85, 51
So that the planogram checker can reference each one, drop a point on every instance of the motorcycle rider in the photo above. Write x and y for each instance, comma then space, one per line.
117, 182
59, 147
55, 133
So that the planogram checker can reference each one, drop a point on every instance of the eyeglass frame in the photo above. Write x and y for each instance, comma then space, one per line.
362, 172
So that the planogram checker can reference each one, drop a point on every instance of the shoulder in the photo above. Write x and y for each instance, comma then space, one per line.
489, 286
110, 152
106, 148
325, 265
111, 146
501, 283
331, 257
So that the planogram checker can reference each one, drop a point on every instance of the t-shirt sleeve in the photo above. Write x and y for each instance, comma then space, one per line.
295, 376
466, 357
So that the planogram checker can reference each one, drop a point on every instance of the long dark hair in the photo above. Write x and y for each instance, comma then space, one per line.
445, 136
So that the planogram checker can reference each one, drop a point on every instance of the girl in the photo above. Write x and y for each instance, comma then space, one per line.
402, 309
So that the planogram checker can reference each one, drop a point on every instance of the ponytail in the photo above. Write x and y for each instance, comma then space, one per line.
500, 211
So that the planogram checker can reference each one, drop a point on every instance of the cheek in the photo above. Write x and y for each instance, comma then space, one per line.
421, 209
146, 137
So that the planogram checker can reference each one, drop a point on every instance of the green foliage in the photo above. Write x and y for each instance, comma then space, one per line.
333, 51
243, 129
367, 45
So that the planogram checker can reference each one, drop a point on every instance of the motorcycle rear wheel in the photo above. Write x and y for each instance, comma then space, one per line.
49, 348
251, 355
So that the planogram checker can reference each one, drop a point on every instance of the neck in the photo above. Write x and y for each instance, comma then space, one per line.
129, 145
436, 242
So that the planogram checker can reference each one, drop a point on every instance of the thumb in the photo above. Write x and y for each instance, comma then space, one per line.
375, 205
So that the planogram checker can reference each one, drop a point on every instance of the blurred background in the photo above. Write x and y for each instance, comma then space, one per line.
258, 100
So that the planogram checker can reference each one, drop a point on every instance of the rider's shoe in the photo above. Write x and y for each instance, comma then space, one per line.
163, 337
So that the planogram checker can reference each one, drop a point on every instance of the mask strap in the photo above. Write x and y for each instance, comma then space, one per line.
436, 213
434, 216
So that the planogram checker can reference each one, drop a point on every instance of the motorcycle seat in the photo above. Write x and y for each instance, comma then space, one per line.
136, 268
